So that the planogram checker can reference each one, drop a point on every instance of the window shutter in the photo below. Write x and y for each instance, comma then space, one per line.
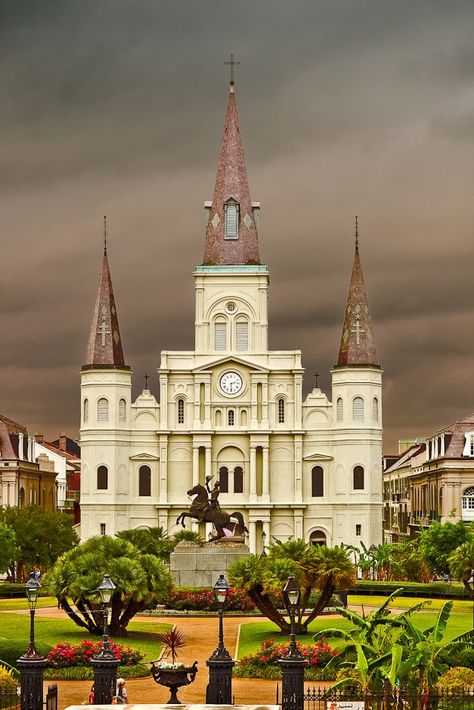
317, 482
375, 409
231, 221
339, 409
102, 410
180, 411
86, 410
220, 332
242, 335
122, 411
358, 409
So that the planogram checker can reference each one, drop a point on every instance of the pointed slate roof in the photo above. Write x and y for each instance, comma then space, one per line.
104, 348
231, 183
357, 341
6, 449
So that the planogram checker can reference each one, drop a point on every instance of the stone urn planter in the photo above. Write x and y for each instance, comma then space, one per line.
173, 676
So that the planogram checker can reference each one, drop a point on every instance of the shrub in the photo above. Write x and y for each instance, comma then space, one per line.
202, 599
87, 672
8, 681
264, 663
66, 655
463, 657
456, 678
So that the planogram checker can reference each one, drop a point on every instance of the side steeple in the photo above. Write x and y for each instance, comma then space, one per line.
357, 341
104, 348
231, 236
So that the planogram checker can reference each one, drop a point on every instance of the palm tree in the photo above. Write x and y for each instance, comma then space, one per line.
461, 565
140, 579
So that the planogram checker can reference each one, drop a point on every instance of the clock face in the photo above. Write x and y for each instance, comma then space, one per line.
231, 383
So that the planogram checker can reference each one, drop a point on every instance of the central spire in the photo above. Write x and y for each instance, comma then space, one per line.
231, 236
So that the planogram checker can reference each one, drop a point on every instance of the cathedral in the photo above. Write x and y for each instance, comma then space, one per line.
232, 409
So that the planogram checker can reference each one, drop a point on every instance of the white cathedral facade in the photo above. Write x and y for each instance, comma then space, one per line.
231, 408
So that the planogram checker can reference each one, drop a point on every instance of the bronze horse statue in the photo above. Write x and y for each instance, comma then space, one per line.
205, 513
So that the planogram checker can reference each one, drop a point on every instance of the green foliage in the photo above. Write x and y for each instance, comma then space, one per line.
462, 656
41, 537
172, 640
263, 577
8, 548
187, 536
461, 565
140, 579
410, 589
457, 678
439, 541
263, 663
87, 672
150, 541
8, 682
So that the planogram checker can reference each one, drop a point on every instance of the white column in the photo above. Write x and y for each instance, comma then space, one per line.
266, 474
253, 537
208, 462
20, 445
195, 465
266, 531
253, 473
442, 452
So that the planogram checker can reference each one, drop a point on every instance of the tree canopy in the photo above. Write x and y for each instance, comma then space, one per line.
140, 578
438, 541
41, 536
8, 546
263, 577
461, 564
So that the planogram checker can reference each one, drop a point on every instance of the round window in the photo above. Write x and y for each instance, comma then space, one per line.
231, 307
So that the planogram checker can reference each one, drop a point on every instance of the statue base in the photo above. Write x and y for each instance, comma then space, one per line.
193, 565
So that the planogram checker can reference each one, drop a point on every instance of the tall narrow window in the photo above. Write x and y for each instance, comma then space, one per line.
339, 409
231, 217
281, 411
358, 409
102, 410
220, 333
102, 478
180, 411
218, 417
122, 411
358, 529
358, 478
231, 417
317, 482
86, 410
238, 479
144, 481
102, 528
375, 410
242, 335
224, 479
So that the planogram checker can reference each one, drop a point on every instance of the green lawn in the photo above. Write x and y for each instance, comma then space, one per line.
13, 604
252, 635
15, 629
460, 605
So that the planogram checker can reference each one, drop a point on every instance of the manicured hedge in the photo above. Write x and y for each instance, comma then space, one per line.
440, 590
10, 590
87, 672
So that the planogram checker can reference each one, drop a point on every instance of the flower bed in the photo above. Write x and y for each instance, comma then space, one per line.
182, 599
68, 661
264, 663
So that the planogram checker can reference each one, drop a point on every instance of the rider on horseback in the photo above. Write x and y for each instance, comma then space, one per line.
213, 502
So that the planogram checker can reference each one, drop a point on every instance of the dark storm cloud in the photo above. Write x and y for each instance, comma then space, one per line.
116, 107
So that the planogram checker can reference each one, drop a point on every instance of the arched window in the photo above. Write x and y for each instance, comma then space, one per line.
358, 409
122, 411
180, 411
243, 418
220, 335
231, 219
144, 481
339, 409
468, 504
318, 538
317, 482
358, 476
238, 479
218, 417
224, 479
281, 411
21, 497
102, 478
242, 335
102, 410
375, 410
231, 417
86, 410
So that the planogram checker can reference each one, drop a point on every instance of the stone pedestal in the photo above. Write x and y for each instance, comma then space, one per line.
193, 565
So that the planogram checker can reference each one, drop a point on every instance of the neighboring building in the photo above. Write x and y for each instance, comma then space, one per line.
25, 478
66, 456
433, 480
231, 408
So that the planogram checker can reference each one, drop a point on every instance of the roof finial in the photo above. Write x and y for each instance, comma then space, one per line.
357, 233
232, 63
105, 235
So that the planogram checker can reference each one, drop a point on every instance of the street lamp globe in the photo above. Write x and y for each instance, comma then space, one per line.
221, 589
32, 590
106, 589
291, 592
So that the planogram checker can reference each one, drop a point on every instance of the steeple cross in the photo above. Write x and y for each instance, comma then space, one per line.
357, 330
103, 331
146, 377
316, 378
232, 63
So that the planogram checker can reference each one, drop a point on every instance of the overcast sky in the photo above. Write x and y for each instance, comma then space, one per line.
347, 107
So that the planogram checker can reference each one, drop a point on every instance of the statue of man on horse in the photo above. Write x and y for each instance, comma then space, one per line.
205, 508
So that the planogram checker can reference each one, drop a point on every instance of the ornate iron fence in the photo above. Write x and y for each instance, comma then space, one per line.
351, 698
51, 701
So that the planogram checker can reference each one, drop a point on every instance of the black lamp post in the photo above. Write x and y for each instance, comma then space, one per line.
220, 664
31, 664
293, 662
104, 663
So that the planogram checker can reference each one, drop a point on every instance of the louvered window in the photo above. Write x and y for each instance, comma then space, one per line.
86, 410
358, 478
144, 481
375, 410
358, 409
317, 482
122, 411
180, 411
224, 479
231, 417
281, 411
339, 409
238, 479
102, 410
220, 332
242, 335
231, 220
102, 478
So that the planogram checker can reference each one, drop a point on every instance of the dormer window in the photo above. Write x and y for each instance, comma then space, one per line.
231, 220
468, 444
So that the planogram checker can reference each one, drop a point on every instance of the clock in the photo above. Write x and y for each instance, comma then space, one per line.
231, 382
